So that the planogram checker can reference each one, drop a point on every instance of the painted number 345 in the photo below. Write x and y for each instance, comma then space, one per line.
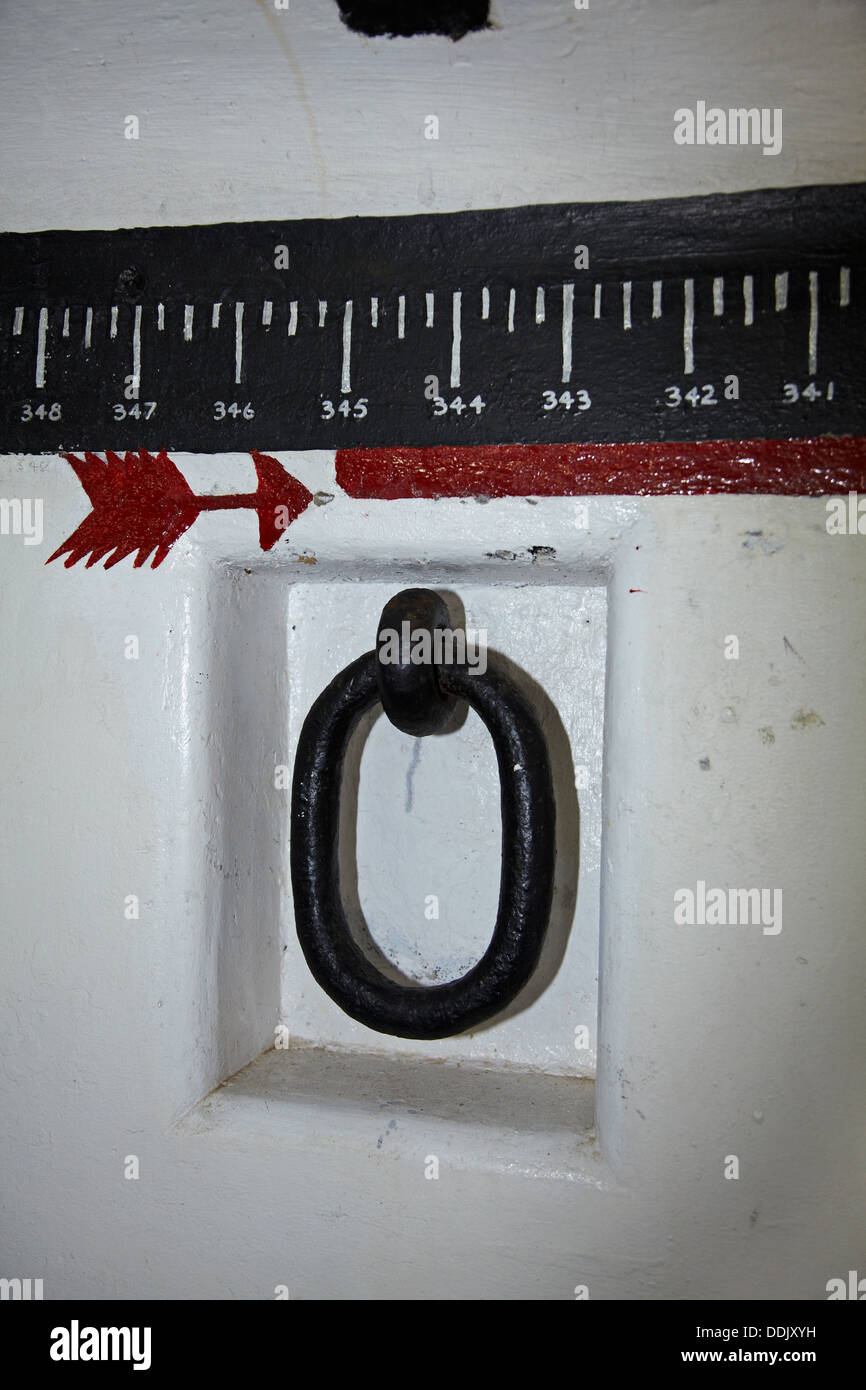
345, 408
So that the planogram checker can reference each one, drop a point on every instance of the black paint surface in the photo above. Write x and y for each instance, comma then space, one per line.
286, 380
406, 18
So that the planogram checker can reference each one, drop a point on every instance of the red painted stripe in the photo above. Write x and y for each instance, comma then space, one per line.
797, 467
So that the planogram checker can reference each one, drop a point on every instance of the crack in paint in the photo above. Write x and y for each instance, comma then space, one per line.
416, 758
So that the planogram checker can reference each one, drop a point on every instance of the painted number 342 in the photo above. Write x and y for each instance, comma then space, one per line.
701, 395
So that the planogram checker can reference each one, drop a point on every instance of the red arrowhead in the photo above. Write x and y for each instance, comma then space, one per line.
280, 498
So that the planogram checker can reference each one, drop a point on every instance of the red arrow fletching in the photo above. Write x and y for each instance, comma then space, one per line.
140, 502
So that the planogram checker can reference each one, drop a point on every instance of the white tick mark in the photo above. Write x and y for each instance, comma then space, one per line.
456, 299
845, 286
567, 323
688, 326
345, 376
239, 339
813, 322
40, 347
136, 350
626, 303
748, 300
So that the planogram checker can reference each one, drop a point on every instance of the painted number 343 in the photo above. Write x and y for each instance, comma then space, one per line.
580, 398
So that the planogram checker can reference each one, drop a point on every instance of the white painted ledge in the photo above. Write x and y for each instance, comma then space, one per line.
467, 1115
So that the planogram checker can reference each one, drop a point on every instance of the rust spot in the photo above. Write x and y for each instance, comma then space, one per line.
806, 719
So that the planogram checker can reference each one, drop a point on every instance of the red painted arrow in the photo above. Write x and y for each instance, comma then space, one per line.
143, 502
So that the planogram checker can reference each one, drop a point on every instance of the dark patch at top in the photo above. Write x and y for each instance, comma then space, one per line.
405, 18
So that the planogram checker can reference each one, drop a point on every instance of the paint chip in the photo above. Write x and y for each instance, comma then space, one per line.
542, 554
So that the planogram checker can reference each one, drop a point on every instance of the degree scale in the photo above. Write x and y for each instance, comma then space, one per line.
737, 316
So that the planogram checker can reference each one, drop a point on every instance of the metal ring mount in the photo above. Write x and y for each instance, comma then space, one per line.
528, 827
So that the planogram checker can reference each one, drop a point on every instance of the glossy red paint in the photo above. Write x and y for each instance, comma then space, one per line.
799, 467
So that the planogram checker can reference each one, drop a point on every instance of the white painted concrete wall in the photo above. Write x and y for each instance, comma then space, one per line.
155, 777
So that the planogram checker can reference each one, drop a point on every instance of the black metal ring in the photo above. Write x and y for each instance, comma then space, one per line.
528, 852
